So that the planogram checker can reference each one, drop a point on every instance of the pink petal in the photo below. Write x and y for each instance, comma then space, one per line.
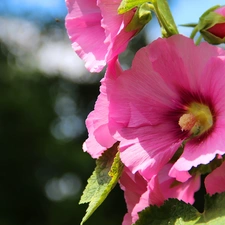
97, 31
156, 196
97, 122
136, 197
183, 64
84, 20
142, 150
200, 152
220, 10
161, 188
215, 181
111, 20
213, 84
114, 25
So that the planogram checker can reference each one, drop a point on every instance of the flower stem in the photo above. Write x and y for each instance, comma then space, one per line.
198, 40
194, 32
165, 18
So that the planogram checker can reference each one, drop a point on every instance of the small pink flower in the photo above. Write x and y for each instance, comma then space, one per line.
96, 30
219, 28
140, 193
173, 95
99, 138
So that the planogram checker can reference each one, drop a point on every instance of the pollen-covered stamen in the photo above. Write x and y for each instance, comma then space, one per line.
197, 119
187, 121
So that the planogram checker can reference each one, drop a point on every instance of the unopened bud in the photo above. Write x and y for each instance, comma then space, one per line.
212, 25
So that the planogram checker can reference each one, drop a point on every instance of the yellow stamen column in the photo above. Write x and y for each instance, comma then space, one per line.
198, 119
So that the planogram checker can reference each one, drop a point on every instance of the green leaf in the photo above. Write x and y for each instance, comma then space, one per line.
127, 5
104, 178
172, 212
214, 213
177, 212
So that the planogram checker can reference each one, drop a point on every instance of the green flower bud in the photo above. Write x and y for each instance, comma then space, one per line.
141, 17
212, 25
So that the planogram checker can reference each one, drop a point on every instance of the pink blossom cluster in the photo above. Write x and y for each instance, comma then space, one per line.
167, 112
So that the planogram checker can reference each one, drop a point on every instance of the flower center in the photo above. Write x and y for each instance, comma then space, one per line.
197, 119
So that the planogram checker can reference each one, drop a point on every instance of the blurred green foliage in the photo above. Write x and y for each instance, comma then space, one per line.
34, 162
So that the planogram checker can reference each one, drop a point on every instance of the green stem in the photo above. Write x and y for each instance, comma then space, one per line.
165, 18
194, 32
198, 40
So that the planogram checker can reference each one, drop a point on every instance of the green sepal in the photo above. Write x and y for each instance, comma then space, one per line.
179, 213
127, 5
141, 17
188, 25
212, 39
161, 9
210, 20
104, 178
206, 20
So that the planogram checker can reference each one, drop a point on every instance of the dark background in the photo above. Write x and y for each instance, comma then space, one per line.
42, 176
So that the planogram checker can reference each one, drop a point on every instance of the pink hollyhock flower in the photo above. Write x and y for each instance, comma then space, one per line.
219, 28
140, 193
96, 30
100, 138
215, 181
173, 95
